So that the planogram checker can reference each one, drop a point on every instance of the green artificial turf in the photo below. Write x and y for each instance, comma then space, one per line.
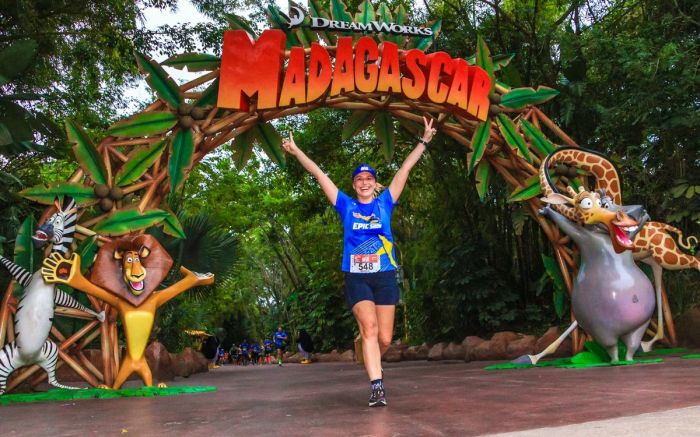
99, 393
662, 351
593, 355
691, 356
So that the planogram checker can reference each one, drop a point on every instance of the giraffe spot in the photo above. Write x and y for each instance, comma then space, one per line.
684, 261
656, 239
611, 174
598, 170
615, 186
592, 159
671, 258
668, 243
658, 250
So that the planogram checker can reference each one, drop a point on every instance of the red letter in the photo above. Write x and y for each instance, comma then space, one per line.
366, 70
294, 87
319, 72
414, 88
440, 63
479, 94
459, 89
389, 73
249, 67
343, 77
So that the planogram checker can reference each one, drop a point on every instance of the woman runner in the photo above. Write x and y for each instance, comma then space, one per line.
369, 262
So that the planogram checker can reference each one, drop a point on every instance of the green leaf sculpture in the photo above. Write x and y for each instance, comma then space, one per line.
243, 148
482, 176
483, 60
140, 160
357, 122
193, 62
365, 13
480, 140
235, 22
425, 42
316, 10
181, 151
86, 153
270, 141
520, 97
384, 128
144, 124
209, 95
552, 269
531, 189
275, 17
87, 249
159, 81
46, 196
129, 220
512, 137
537, 138
24, 248
339, 12
172, 226
384, 13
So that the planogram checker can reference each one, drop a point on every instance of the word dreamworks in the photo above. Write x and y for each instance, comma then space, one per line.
256, 69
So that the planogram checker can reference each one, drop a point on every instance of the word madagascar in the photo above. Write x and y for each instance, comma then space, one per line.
254, 70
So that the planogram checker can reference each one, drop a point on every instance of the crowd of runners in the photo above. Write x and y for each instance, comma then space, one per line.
256, 352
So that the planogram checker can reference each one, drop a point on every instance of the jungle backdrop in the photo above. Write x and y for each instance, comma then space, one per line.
628, 73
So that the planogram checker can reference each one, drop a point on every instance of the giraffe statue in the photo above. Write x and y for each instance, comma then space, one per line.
653, 245
611, 298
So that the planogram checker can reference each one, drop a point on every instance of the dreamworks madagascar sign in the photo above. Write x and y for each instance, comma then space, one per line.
256, 71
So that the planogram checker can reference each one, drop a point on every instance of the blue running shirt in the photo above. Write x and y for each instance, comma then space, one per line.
280, 338
368, 246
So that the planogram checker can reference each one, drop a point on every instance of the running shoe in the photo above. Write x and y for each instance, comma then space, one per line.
377, 398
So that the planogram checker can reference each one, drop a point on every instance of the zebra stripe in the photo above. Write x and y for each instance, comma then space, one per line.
66, 300
65, 234
22, 276
7, 365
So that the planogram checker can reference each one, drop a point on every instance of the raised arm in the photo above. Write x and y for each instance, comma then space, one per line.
324, 181
399, 182
191, 279
57, 269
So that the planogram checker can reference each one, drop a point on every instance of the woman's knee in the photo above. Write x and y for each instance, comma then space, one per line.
369, 329
384, 341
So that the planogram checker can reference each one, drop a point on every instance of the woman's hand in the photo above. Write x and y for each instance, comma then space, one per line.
428, 130
289, 145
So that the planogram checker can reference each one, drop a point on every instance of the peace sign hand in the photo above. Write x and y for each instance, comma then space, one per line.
428, 130
289, 145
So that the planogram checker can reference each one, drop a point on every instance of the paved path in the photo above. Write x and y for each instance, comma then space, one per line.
431, 399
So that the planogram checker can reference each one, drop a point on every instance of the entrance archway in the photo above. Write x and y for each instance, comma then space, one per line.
383, 77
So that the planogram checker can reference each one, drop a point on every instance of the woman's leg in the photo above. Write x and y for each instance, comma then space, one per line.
366, 316
385, 323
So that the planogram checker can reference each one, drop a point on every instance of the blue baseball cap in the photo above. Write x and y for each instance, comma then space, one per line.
364, 168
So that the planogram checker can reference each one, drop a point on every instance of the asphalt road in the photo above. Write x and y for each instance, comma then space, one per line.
425, 398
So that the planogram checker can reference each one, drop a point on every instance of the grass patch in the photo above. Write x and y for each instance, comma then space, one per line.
99, 393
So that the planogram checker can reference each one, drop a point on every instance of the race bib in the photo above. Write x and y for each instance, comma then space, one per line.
365, 264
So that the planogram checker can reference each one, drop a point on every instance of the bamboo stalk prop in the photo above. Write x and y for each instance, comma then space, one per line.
142, 159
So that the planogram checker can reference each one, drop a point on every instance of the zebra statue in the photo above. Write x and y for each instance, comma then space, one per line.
35, 310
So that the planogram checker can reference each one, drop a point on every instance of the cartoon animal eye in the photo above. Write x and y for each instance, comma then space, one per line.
136, 259
586, 203
129, 259
597, 203
58, 220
